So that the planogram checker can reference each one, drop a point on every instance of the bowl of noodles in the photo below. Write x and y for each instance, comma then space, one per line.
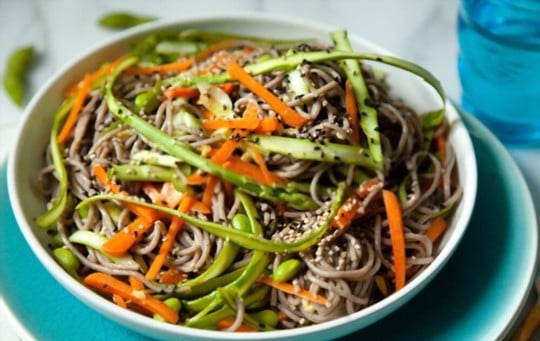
249, 174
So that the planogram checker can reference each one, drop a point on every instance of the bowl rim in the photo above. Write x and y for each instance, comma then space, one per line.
141, 322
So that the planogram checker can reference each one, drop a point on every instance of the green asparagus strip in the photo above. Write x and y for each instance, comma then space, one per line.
96, 241
368, 115
222, 261
211, 284
304, 149
131, 172
245, 240
177, 149
49, 218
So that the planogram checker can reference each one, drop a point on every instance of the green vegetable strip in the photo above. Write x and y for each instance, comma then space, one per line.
245, 240
304, 149
219, 265
211, 284
211, 320
368, 114
175, 148
147, 173
49, 218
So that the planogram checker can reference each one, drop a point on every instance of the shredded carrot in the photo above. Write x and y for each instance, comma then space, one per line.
267, 125
101, 174
249, 170
395, 223
259, 160
352, 112
209, 190
228, 88
122, 240
249, 120
178, 66
436, 228
112, 285
168, 242
172, 276
93, 76
282, 315
135, 283
69, 124
288, 114
227, 149
176, 92
227, 323
119, 301
441, 147
348, 211
290, 289
195, 179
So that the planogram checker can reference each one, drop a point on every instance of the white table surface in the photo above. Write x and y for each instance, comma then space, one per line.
61, 30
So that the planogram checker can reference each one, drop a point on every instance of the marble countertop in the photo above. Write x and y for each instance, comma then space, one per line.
61, 30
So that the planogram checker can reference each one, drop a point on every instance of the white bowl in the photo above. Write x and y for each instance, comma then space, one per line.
25, 160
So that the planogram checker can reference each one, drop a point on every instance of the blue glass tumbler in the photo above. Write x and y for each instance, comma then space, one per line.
499, 66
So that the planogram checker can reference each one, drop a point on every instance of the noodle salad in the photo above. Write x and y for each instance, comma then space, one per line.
245, 184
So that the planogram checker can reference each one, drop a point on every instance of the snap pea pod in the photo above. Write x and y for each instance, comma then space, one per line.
224, 259
49, 218
305, 149
368, 114
211, 284
211, 320
17, 66
228, 297
254, 268
245, 240
121, 20
177, 149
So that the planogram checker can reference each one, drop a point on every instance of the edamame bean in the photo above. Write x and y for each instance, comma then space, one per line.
146, 101
120, 20
287, 270
67, 260
17, 67
241, 222
267, 317
173, 303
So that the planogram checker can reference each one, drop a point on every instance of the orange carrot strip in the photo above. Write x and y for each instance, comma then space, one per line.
436, 228
249, 170
395, 223
122, 240
227, 323
289, 115
349, 209
119, 301
101, 174
176, 92
195, 179
209, 190
259, 160
69, 124
228, 88
226, 150
267, 125
441, 147
112, 285
172, 276
168, 242
200, 207
290, 289
135, 283
177, 66
352, 112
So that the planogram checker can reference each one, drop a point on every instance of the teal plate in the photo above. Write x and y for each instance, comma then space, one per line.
476, 296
